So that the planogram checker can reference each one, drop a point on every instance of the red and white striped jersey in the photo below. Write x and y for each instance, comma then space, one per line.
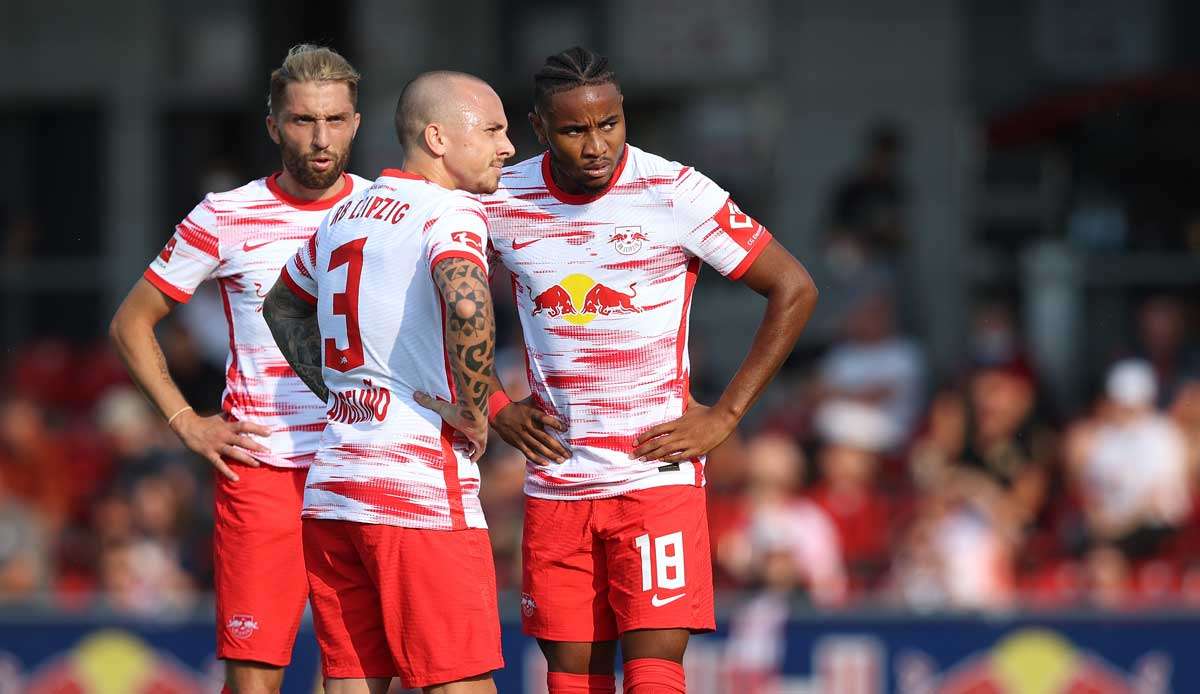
241, 238
603, 285
383, 458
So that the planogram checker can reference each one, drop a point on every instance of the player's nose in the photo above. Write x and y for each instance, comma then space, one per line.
320, 135
505, 149
594, 145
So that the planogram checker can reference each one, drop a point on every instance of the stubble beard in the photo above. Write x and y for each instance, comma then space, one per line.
297, 165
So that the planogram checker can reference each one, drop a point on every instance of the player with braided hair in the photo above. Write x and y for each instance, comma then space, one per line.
616, 546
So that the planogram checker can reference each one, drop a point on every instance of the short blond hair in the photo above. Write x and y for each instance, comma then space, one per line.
307, 62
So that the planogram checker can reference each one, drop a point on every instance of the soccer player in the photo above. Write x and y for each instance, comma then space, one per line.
604, 241
264, 439
386, 314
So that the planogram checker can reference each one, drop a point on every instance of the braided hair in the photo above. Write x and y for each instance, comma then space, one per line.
574, 67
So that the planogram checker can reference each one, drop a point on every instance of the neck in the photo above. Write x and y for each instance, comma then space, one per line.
292, 187
433, 170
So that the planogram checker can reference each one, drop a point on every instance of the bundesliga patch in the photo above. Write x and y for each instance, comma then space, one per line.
740, 226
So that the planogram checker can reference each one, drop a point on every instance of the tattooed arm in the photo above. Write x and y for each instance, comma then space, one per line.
213, 438
470, 348
293, 324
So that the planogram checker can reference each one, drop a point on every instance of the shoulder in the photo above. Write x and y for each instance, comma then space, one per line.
359, 183
645, 163
520, 178
523, 171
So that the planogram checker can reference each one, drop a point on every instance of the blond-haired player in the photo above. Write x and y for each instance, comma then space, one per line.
263, 440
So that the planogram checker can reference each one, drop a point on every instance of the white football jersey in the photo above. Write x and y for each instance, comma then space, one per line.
241, 238
603, 285
383, 458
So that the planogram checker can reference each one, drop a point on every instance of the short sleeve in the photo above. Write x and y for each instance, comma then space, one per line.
459, 231
714, 228
299, 273
190, 256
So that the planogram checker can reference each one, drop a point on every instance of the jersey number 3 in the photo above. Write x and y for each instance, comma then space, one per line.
346, 304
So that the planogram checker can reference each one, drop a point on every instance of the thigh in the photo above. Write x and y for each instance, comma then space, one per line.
347, 611
439, 602
658, 555
564, 583
258, 564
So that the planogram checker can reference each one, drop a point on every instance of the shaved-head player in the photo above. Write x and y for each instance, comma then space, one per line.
387, 315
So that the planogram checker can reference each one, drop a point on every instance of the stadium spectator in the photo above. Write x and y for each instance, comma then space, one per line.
958, 553
32, 462
867, 215
989, 432
853, 437
876, 365
25, 568
1162, 342
1129, 464
775, 523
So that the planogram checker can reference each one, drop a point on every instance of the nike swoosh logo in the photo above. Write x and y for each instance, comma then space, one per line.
657, 602
517, 245
247, 247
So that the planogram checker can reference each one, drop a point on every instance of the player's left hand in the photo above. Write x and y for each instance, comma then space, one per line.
697, 432
465, 420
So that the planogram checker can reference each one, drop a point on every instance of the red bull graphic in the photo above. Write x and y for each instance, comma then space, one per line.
555, 301
110, 662
1032, 661
579, 299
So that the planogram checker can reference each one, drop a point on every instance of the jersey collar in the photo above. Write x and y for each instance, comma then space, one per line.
302, 204
401, 173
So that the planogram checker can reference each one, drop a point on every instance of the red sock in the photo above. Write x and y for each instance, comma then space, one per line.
654, 676
226, 690
568, 683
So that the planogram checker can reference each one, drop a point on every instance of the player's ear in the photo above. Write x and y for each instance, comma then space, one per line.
538, 125
273, 128
357, 122
435, 139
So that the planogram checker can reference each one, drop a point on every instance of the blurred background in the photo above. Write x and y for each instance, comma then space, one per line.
981, 457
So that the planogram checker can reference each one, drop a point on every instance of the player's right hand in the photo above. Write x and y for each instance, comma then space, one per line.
215, 439
523, 427
466, 421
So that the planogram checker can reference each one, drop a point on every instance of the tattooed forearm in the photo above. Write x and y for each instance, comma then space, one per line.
293, 324
470, 330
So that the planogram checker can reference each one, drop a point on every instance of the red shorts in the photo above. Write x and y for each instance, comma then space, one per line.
390, 601
594, 569
258, 563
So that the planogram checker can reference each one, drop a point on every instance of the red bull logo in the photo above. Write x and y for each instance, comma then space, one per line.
1033, 661
109, 662
578, 299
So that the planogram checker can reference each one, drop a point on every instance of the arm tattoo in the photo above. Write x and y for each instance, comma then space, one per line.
293, 324
470, 330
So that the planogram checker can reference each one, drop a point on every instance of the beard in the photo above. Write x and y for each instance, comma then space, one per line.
298, 165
